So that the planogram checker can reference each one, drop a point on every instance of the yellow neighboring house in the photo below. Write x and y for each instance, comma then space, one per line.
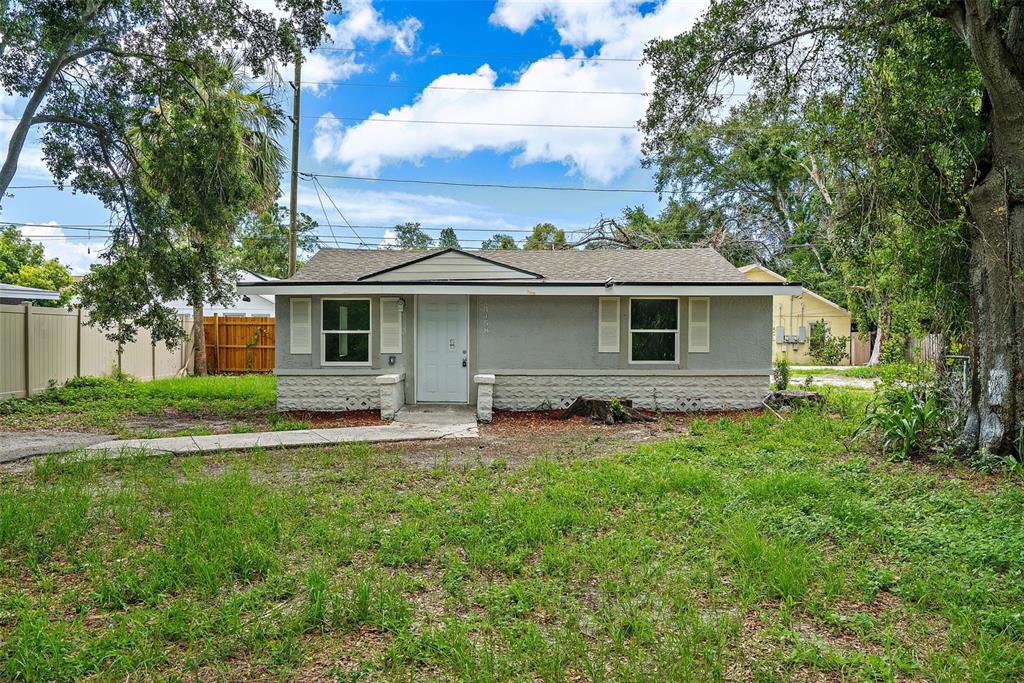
792, 317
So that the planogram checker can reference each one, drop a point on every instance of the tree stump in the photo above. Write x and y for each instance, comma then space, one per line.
607, 412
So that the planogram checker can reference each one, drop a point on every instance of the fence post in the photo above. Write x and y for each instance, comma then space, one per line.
152, 348
28, 348
78, 345
216, 341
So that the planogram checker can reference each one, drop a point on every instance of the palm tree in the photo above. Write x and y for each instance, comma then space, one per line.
209, 157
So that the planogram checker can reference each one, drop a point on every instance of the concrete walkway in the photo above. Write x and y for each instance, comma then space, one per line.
18, 445
413, 423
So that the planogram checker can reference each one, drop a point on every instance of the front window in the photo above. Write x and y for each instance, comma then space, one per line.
653, 326
346, 330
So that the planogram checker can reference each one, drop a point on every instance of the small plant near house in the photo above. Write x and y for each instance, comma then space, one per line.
616, 405
781, 374
910, 418
824, 348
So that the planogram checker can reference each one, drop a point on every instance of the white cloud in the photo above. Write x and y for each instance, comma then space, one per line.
598, 154
388, 208
319, 70
578, 23
390, 240
76, 256
360, 22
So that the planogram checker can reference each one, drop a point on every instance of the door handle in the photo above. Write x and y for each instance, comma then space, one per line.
463, 362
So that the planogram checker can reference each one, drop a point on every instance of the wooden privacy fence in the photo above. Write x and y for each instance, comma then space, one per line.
40, 346
236, 344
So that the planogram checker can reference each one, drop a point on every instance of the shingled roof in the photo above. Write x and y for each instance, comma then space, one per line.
698, 266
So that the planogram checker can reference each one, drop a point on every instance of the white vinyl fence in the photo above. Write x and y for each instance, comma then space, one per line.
42, 345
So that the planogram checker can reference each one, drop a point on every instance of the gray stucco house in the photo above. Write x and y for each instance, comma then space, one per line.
673, 329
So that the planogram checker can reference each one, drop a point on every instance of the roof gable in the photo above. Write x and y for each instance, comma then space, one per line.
448, 265
758, 269
753, 270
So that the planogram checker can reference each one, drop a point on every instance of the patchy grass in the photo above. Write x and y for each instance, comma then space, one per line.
130, 408
749, 549
858, 371
183, 406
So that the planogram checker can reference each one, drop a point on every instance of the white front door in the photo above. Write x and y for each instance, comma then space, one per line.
442, 349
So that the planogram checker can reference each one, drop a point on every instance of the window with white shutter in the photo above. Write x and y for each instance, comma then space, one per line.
608, 325
700, 324
300, 333
390, 326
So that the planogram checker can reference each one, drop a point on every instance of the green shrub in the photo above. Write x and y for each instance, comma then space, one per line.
909, 419
782, 372
824, 348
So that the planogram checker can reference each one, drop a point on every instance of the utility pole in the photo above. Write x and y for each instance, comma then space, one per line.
296, 103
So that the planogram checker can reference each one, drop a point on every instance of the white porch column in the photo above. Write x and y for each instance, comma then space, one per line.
484, 397
392, 394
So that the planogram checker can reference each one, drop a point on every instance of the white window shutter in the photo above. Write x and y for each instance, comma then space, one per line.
390, 326
300, 335
699, 329
608, 325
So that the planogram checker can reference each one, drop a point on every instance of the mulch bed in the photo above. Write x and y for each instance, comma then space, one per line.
545, 418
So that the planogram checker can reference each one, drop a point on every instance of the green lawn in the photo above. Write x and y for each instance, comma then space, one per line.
754, 549
185, 405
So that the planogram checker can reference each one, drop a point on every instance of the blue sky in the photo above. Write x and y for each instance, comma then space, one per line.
399, 63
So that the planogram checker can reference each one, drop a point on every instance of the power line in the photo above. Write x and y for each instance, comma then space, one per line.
481, 123
353, 226
555, 188
498, 89
482, 55
317, 186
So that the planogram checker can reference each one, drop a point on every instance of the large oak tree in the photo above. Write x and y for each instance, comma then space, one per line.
789, 48
88, 69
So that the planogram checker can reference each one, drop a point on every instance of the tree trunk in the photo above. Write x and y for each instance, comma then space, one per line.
876, 348
996, 203
198, 342
997, 371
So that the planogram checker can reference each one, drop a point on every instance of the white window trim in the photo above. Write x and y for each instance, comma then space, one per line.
324, 333
675, 332
618, 324
401, 321
707, 325
291, 326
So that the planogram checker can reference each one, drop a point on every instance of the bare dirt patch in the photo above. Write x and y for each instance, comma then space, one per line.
348, 418
515, 438
172, 420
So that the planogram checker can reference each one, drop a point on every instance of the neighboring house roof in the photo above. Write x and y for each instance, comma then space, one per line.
780, 278
257, 304
27, 293
557, 266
